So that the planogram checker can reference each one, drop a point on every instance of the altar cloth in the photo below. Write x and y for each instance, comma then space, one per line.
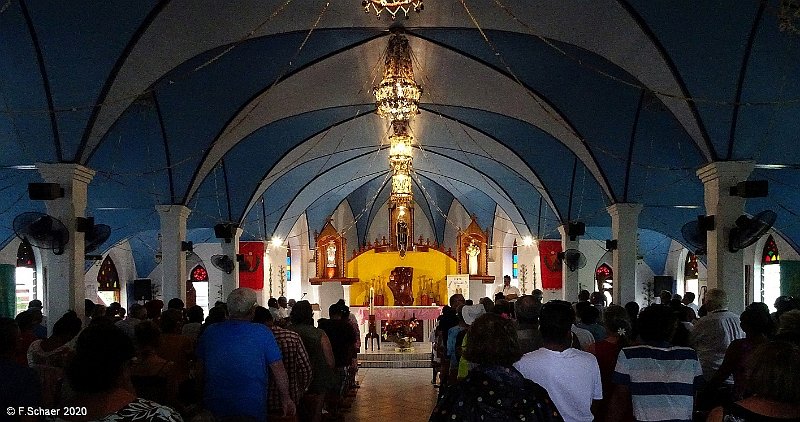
387, 313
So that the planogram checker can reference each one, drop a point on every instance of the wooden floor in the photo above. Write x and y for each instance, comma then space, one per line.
389, 394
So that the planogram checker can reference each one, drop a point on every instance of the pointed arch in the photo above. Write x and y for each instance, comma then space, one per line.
108, 285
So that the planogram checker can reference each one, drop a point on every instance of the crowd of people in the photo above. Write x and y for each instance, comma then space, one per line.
498, 360
241, 362
525, 360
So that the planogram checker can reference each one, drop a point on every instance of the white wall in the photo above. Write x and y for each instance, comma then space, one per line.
122, 256
8, 255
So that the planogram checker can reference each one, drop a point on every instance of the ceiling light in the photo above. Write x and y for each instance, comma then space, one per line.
277, 242
772, 166
397, 96
527, 241
392, 6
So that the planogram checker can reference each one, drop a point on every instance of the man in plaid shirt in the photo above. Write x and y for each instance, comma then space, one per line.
296, 362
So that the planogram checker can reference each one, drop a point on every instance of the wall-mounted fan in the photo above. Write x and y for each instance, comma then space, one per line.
42, 231
223, 263
573, 259
695, 233
749, 229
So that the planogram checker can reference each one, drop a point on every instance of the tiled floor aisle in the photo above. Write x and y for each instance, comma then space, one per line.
393, 395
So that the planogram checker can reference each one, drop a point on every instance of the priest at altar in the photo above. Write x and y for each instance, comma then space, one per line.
509, 292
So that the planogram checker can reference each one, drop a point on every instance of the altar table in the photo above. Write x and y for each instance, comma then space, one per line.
390, 313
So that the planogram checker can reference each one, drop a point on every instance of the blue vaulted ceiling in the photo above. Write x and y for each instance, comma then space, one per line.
573, 105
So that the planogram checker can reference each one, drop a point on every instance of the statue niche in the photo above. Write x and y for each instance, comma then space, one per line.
400, 284
330, 253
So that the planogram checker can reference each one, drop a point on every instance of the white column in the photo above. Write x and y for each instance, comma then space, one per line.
569, 279
173, 260
624, 224
231, 281
64, 284
725, 268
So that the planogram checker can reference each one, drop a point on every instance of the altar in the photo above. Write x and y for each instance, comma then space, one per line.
426, 314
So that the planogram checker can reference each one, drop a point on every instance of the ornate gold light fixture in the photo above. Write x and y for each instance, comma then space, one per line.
392, 6
789, 16
400, 161
398, 94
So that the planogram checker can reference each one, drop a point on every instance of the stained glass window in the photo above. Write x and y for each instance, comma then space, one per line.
770, 255
604, 272
288, 264
690, 266
199, 273
25, 257
604, 277
514, 261
108, 278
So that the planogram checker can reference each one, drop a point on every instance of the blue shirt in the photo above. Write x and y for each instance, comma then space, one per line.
236, 357
662, 381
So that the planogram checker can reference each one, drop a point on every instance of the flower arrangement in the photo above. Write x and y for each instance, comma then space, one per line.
282, 280
523, 275
401, 332
270, 280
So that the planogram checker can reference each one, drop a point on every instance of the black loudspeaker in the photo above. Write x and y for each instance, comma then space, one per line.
142, 289
84, 224
663, 282
751, 189
45, 191
575, 229
225, 231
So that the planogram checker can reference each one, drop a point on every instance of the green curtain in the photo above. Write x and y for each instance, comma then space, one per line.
8, 290
790, 278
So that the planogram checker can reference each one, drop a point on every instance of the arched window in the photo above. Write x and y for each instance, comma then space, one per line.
27, 287
288, 264
514, 261
604, 278
770, 273
691, 282
108, 282
199, 278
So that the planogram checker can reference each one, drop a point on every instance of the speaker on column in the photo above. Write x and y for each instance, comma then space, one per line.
142, 289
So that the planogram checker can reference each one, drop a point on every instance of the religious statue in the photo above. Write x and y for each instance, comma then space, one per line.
472, 253
402, 236
331, 254
400, 282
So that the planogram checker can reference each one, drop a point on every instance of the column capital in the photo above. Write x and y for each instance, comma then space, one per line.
726, 170
624, 209
179, 210
63, 172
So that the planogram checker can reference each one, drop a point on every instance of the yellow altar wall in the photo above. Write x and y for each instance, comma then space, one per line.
431, 264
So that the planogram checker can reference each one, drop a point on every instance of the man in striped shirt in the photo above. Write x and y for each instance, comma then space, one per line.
656, 380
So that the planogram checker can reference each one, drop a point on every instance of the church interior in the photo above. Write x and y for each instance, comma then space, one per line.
385, 152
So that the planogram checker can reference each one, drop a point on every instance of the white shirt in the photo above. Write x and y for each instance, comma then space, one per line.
507, 290
585, 337
283, 313
711, 337
571, 377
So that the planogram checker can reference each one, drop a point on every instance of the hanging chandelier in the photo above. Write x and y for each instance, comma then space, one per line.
400, 162
392, 6
397, 96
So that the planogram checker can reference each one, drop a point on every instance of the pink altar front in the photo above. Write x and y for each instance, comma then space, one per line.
428, 314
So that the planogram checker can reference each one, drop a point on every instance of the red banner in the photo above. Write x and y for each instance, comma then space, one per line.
549, 263
251, 269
